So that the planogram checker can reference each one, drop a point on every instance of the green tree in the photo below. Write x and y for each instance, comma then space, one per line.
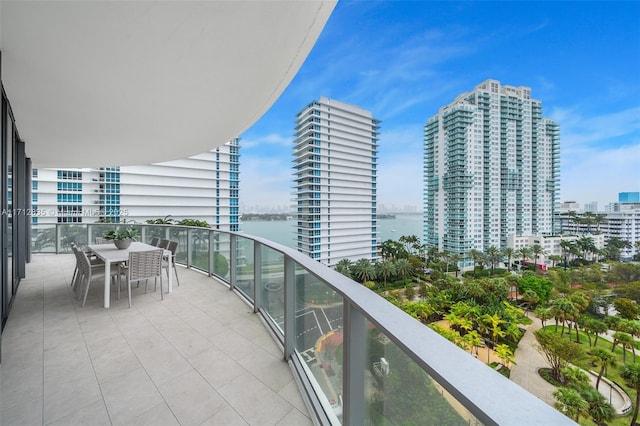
625, 340
493, 255
631, 373
604, 359
344, 267
571, 403
403, 268
524, 253
476, 256
543, 314
563, 310
536, 250
364, 270
385, 269
627, 308
558, 352
508, 252
599, 409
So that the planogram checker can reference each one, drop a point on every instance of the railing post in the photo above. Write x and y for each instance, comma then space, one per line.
189, 257
353, 368
257, 276
211, 263
57, 238
289, 306
233, 259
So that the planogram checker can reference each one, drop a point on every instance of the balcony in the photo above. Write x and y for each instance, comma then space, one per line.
214, 350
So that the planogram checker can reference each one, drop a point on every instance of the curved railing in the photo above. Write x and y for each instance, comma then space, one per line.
357, 358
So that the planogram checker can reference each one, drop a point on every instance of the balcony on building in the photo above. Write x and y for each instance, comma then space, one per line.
256, 333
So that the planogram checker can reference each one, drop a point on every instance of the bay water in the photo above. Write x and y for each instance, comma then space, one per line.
283, 231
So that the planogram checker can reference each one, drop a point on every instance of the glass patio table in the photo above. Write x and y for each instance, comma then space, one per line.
110, 254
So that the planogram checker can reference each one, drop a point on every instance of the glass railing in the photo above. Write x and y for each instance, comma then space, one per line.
358, 359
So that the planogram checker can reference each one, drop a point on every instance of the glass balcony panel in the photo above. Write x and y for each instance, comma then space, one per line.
71, 233
180, 235
98, 230
43, 238
221, 255
199, 246
319, 337
399, 391
272, 286
151, 232
244, 267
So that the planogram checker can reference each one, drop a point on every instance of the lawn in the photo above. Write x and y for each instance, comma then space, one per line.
613, 373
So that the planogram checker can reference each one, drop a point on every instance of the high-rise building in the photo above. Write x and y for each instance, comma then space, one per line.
202, 187
491, 170
335, 155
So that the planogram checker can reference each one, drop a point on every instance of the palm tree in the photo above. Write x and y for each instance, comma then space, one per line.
385, 269
625, 340
508, 252
536, 250
364, 270
524, 253
444, 256
403, 268
475, 255
566, 247
604, 358
493, 255
631, 373
571, 403
562, 310
455, 259
344, 267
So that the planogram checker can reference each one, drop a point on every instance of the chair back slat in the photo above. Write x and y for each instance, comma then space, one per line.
163, 244
155, 241
145, 264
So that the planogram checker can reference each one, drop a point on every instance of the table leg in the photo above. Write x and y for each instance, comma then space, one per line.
107, 283
170, 273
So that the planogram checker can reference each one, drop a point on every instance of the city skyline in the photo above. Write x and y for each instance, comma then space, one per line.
402, 61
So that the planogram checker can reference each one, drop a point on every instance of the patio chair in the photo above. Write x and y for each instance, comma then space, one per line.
154, 241
86, 275
163, 244
173, 248
143, 265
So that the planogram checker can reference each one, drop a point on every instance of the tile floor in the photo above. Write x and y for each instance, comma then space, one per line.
200, 357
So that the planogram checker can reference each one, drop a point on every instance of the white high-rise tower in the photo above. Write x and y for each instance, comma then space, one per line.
491, 170
335, 156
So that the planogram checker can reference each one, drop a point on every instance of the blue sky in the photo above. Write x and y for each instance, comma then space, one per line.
404, 60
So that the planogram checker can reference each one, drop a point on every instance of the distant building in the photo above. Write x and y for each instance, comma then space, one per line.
591, 207
568, 206
203, 187
629, 197
335, 158
491, 170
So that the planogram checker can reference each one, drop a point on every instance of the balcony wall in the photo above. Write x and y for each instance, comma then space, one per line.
357, 359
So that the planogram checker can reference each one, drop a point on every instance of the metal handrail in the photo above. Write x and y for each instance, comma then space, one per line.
488, 396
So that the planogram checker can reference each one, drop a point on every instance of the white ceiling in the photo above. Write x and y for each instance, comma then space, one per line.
99, 83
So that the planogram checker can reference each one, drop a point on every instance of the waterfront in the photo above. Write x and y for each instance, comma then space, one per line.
282, 232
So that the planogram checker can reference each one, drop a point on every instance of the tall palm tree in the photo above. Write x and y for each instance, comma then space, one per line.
508, 252
493, 255
631, 373
536, 250
524, 254
604, 359
475, 255
444, 257
455, 258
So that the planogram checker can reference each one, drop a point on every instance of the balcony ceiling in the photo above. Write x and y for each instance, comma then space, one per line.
133, 82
